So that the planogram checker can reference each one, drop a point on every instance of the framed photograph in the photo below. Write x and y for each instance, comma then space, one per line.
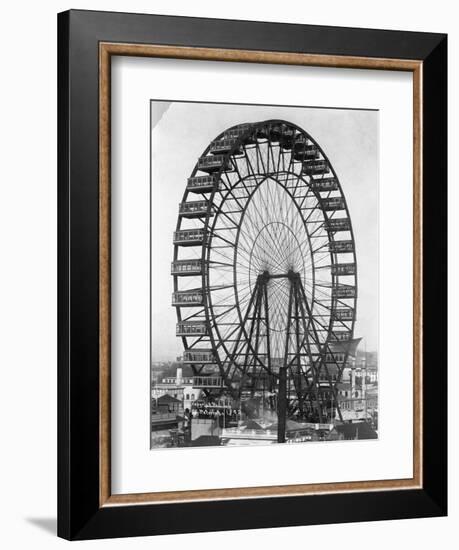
252, 274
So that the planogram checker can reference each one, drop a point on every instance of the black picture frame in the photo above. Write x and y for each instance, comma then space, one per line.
80, 515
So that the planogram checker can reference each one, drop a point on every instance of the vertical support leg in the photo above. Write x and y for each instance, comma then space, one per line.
322, 363
282, 394
299, 374
268, 337
282, 405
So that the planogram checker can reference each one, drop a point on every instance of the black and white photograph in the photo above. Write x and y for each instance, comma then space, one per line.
264, 274
229, 275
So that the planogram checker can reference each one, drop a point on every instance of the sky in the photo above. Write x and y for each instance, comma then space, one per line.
180, 133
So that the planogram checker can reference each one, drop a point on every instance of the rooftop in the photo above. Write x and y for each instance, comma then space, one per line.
168, 399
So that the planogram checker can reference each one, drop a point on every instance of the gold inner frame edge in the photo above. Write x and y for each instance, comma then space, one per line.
106, 51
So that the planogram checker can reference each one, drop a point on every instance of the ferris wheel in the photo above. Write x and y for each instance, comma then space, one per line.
265, 271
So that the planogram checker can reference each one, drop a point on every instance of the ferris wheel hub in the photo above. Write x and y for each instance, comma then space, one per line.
291, 274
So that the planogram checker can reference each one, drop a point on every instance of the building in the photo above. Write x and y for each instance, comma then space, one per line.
168, 404
359, 430
166, 413
358, 398
178, 387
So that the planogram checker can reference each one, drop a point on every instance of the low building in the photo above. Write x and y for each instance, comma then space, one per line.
166, 413
358, 399
168, 404
178, 387
190, 395
360, 430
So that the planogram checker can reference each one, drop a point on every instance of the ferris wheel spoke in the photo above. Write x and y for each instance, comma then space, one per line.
314, 211
250, 168
325, 295
223, 313
230, 191
321, 265
279, 157
226, 215
194, 315
220, 265
260, 159
320, 248
272, 247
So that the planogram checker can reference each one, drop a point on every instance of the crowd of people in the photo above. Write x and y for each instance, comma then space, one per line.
222, 412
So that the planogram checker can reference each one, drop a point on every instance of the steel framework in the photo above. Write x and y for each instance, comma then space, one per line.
265, 271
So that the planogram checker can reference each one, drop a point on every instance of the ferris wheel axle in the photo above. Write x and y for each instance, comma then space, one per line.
266, 275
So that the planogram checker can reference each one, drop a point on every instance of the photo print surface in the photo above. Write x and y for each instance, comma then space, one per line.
264, 274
